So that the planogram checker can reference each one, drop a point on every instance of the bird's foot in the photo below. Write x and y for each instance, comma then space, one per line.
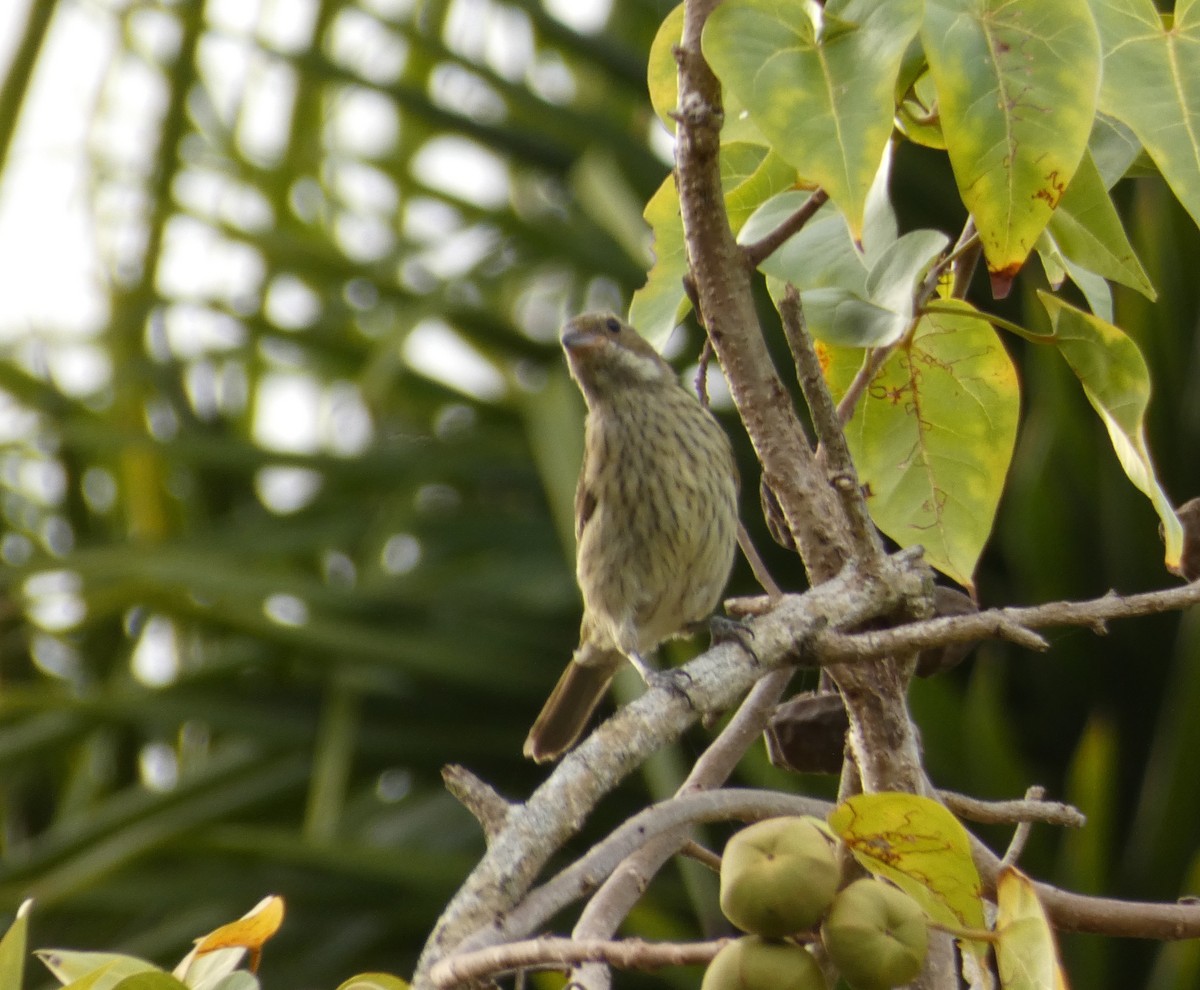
673, 682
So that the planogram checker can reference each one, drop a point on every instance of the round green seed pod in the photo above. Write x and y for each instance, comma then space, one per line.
876, 935
753, 963
778, 876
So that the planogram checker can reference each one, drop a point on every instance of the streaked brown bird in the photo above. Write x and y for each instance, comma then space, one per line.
655, 518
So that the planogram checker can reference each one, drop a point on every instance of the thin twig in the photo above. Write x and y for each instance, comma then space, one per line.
689, 290
966, 262
1024, 829
702, 855
867, 547
757, 564
1071, 912
873, 360
605, 912
760, 250
706, 353
478, 797
963, 257
1012, 812
830, 646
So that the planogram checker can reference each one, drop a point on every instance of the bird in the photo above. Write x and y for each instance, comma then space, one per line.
656, 518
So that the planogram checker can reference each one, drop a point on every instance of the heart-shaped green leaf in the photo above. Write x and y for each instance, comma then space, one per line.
817, 81
933, 435
1152, 84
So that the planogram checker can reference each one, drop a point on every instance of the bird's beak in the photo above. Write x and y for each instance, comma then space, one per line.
577, 340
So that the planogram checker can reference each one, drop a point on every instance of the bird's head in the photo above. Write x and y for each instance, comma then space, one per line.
606, 354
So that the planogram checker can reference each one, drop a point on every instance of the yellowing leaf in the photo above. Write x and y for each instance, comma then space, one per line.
918, 845
659, 305
1026, 953
1017, 82
662, 74
933, 435
1151, 84
251, 931
1116, 382
818, 82
248, 934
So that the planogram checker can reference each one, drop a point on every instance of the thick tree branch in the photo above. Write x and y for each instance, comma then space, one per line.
581, 877
713, 682
881, 732
561, 953
830, 647
723, 285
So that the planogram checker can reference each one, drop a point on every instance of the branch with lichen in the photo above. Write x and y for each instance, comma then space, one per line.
502, 946
524, 838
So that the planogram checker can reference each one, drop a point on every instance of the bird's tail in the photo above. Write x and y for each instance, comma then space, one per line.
570, 705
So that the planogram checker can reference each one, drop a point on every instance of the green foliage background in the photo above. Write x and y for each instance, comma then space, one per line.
415, 610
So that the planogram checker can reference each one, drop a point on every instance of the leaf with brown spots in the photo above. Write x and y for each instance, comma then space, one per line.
1016, 93
918, 845
933, 435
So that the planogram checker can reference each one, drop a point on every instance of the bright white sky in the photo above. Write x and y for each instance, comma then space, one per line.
45, 243
51, 273
55, 261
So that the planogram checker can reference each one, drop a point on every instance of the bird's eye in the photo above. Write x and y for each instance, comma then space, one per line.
613, 324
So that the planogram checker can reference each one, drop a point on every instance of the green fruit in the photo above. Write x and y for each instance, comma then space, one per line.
876, 935
779, 876
752, 963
